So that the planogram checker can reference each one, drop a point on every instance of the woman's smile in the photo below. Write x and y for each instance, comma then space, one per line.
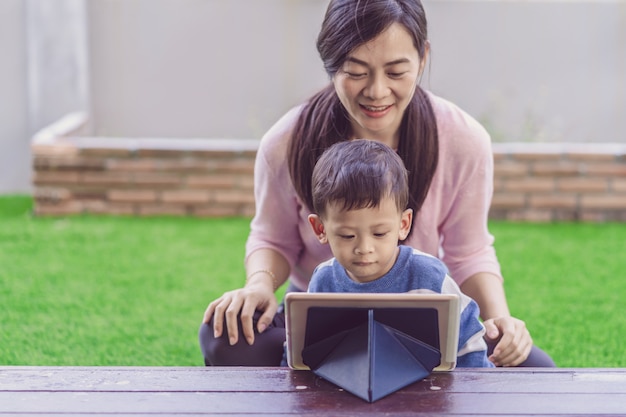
376, 111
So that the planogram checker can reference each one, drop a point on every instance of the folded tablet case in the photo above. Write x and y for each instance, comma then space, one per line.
371, 352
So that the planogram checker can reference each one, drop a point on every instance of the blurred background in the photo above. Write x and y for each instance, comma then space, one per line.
530, 71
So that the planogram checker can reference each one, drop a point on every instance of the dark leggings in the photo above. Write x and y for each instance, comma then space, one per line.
268, 347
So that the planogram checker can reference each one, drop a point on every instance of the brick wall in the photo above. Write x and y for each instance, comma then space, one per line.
207, 177
559, 182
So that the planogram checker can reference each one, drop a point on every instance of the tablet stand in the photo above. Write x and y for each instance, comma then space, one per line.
371, 352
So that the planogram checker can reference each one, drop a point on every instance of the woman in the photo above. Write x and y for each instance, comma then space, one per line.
374, 52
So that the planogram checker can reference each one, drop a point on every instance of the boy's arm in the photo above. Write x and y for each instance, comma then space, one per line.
472, 349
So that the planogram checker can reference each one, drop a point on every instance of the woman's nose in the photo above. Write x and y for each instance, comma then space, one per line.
376, 89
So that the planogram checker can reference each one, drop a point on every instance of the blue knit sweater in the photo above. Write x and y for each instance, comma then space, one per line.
414, 271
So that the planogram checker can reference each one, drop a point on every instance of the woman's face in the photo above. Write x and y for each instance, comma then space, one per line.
376, 83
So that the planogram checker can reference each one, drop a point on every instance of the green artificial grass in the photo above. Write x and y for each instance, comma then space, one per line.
110, 290
567, 282
90, 290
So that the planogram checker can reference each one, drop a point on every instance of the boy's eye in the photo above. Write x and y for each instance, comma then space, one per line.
346, 236
380, 234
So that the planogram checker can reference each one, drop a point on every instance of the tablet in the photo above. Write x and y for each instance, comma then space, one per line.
430, 318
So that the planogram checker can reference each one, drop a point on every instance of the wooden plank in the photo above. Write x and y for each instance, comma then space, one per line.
335, 404
281, 380
282, 392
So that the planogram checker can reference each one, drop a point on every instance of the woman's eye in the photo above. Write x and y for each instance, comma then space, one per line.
396, 74
355, 75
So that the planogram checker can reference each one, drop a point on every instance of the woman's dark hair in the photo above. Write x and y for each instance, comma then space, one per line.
359, 174
324, 121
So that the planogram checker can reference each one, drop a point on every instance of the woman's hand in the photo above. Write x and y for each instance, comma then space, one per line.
513, 340
243, 302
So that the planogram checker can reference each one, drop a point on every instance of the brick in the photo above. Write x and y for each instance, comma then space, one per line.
115, 209
55, 149
565, 215
560, 168
606, 201
162, 153
51, 194
212, 181
185, 196
529, 185
537, 156
591, 157
497, 214
104, 153
618, 185
498, 185
162, 210
68, 163
553, 201
56, 177
81, 193
610, 170
187, 164
247, 210
132, 165
215, 154
106, 178
592, 216
132, 196
615, 215
537, 216
237, 166
62, 209
508, 201
157, 179
582, 185
216, 210
235, 196
529, 216
246, 182
499, 157
510, 169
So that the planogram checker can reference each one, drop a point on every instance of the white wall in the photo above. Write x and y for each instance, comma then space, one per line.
198, 68
534, 70
43, 76
14, 143
530, 70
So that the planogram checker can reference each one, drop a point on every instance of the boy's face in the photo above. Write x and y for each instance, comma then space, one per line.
364, 241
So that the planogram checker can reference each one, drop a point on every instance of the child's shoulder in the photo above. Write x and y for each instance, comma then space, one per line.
422, 260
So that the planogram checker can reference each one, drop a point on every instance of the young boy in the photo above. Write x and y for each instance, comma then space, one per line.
360, 195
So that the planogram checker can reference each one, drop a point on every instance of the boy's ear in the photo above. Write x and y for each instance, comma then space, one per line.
318, 228
405, 224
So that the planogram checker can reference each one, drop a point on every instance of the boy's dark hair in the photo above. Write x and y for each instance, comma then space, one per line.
358, 174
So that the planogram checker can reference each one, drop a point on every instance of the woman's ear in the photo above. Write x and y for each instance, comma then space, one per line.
318, 228
405, 224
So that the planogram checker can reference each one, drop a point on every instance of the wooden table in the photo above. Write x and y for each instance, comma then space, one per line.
282, 392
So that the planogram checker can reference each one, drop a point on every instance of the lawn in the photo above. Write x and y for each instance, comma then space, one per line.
90, 290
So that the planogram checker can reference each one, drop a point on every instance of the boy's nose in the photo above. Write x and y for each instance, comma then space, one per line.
363, 247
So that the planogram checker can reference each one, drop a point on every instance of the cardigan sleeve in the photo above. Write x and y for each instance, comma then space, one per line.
467, 162
275, 224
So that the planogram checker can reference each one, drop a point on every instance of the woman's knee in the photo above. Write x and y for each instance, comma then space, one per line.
267, 349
